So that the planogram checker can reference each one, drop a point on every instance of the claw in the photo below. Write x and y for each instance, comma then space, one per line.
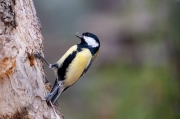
39, 55
46, 80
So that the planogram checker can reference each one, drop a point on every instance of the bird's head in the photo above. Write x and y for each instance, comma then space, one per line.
90, 39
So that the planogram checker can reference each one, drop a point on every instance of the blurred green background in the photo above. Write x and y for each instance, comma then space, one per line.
137, 73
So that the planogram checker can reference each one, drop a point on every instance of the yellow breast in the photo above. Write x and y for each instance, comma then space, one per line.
77, 67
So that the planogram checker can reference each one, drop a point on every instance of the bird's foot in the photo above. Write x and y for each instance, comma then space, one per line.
38, 55
46, 80
48, 96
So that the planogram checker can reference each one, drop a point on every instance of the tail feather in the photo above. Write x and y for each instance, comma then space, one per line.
55, 97
55, 85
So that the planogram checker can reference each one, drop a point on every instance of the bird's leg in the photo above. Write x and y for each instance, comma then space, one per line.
50, 95
39, 55
52, 66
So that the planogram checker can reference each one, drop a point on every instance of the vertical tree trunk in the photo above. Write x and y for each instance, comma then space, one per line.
22, 87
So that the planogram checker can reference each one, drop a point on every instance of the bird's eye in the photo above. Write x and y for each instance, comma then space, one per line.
86, 34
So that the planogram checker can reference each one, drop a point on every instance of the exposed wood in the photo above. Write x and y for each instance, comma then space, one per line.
22, 87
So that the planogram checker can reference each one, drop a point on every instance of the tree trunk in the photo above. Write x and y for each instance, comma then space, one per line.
22, 87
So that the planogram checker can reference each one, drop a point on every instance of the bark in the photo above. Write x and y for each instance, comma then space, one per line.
22, 87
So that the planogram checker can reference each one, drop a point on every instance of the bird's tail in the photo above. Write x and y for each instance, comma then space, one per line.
55, 92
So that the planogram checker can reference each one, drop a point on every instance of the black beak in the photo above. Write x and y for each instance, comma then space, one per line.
79, 35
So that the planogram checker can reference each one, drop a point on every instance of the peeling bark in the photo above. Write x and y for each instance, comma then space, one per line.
22, 87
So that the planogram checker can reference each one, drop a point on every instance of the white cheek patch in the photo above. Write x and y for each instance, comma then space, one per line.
91, 41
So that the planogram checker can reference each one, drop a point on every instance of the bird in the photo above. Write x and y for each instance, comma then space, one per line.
73, 64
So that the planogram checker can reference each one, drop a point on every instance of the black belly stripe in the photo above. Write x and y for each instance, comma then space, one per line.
65, 65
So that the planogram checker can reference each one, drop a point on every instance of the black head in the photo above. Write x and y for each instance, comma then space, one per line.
90, 39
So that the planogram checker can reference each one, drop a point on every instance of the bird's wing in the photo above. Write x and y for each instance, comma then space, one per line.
70, 51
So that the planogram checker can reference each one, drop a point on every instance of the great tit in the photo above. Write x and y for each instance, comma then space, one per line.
73, 64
